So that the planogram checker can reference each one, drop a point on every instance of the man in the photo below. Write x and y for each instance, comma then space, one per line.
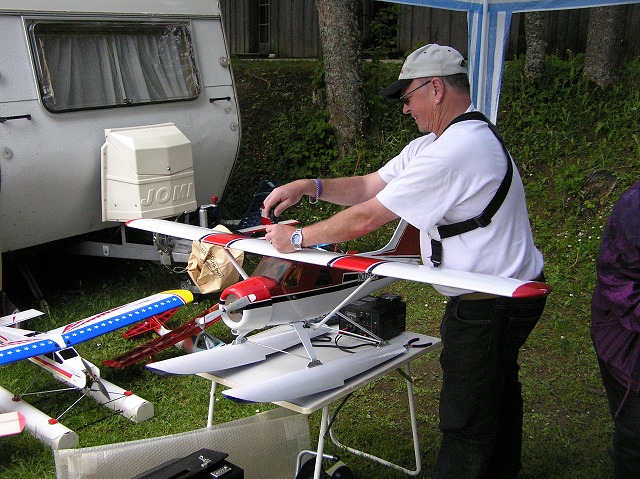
615, 328
451, 175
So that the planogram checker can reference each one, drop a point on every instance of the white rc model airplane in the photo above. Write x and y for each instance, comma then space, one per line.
54, 350
301, 289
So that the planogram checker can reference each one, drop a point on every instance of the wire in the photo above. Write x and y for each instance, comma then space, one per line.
348, 349
412, 341
335, 414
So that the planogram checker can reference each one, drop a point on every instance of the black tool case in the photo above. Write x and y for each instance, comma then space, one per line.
204, 463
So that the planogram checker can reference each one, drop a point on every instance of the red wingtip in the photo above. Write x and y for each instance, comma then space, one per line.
532, 289
22, 420
128, 393
53, 420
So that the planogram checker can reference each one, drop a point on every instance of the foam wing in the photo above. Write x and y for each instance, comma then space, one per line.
308, 381
365, 263
21, 344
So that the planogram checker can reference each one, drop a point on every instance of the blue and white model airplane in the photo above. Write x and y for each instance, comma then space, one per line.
54, 351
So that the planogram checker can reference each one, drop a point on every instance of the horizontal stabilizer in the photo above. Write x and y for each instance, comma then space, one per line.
255, 349
19, 317
314, 380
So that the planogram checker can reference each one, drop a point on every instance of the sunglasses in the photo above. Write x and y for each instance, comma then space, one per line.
405, 98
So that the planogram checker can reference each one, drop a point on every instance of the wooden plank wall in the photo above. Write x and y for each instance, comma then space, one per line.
237, 24
566, 30
295, 32
294, 28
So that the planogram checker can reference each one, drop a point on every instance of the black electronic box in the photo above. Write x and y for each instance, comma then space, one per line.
384, 316
204, 463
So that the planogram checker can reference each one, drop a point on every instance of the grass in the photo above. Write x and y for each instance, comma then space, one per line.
577, 149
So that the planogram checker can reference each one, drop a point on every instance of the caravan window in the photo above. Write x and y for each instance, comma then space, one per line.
88, 65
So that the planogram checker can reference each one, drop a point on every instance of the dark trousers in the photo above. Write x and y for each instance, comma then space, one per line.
625, 412
481, 400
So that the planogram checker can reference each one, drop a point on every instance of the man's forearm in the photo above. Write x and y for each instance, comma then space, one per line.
351, 190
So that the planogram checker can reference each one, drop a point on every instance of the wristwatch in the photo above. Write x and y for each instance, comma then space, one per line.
296, 239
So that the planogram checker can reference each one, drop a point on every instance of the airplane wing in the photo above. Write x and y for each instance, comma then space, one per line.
15, 349
21, 344
353, 262
160, 343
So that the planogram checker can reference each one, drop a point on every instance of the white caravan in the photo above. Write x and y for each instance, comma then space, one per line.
110, 110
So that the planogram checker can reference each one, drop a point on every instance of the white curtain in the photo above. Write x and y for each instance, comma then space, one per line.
94, 69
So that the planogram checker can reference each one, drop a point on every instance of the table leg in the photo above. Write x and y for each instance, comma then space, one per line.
414, 422
414, 431
212, 402
321, 435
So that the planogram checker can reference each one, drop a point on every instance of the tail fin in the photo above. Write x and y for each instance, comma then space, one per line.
404, 245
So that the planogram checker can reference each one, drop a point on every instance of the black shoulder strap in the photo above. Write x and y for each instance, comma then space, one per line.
484, 218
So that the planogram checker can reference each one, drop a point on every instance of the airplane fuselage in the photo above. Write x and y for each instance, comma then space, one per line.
66, 366
288, 291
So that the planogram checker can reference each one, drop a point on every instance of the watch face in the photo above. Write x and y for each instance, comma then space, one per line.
296, 239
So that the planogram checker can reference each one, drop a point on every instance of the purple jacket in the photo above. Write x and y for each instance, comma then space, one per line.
615, 306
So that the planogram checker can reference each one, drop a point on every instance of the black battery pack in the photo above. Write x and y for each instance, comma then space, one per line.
204, 463
384, 316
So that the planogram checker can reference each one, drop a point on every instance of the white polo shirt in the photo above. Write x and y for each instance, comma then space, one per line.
451, 179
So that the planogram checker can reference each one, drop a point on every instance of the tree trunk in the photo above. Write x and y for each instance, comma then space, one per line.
536, 44
605, 39
340, 35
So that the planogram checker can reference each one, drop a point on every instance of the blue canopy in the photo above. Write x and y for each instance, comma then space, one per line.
488, 26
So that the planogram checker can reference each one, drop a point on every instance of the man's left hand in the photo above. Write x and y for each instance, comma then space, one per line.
280, 237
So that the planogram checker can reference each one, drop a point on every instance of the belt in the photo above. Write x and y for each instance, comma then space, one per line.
476, 296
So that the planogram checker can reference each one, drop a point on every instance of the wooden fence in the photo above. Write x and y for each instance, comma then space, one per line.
566, 30
289, 29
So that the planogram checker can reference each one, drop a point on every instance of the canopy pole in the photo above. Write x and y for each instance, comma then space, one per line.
482, 61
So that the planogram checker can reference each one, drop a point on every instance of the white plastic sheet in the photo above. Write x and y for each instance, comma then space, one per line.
265, 446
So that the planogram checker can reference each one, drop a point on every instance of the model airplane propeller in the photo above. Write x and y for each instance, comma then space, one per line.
299, 289
94, 378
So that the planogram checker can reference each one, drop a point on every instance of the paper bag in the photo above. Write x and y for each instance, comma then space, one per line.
210, 268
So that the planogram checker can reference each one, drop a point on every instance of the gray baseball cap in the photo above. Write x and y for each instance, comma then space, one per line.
431, 60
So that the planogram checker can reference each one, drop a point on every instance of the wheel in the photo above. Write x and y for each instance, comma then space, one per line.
339, 471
